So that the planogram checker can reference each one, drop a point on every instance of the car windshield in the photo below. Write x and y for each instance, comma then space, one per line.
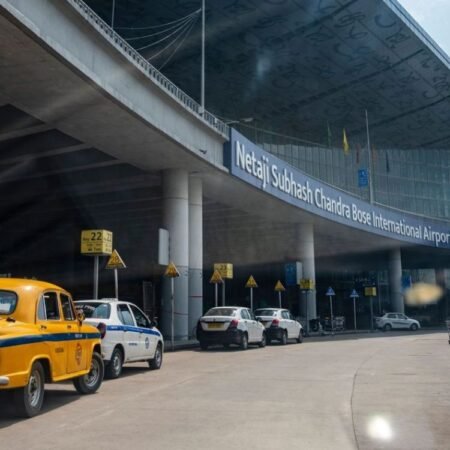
265, 312
92, 310
226, 312
8, 302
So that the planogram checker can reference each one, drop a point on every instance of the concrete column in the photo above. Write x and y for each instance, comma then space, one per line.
195, 253
395, 281
305, 253
176, 220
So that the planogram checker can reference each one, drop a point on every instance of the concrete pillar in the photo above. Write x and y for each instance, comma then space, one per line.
176, 220
195, 253
305, 253
395, 281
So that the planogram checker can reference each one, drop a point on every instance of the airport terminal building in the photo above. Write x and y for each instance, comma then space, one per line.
320, 142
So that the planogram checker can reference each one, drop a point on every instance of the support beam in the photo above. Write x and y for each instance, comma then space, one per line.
395, 281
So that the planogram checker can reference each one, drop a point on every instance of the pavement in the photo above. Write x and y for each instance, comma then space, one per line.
365, 391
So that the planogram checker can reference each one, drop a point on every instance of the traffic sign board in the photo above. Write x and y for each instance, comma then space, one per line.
171, 271
225, 269
354, 294
96, 242
216, 278
115, 261
307, 284
251, 283
370, 291
279, 287
330, 292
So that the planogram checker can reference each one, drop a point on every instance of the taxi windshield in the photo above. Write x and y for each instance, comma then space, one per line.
221, 312
8, 302
93, 310
265, 312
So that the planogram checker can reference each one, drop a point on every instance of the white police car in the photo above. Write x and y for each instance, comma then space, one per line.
397, 321
280, 325
127, 334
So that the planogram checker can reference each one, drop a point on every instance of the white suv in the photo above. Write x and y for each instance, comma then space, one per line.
280, 325
227, 325
127, 334
396, 321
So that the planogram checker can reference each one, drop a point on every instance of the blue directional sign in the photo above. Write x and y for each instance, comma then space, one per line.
330, 292
354, 294
363, 178
290, 274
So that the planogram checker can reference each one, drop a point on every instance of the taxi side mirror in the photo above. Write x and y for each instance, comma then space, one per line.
80, 317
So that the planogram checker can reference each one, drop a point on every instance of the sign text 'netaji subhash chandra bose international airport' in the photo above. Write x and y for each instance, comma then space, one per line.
265, 171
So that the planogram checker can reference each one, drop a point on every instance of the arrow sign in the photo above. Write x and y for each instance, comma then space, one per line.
279, 287
354, 294
330, 292
216, 278
251, 283
115, 261
171, 271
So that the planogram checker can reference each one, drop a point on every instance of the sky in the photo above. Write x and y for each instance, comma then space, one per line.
433, 16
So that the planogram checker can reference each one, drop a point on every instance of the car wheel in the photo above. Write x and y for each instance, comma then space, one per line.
156, 362
203, 345
284, 338
28, 400
300, 337
413, 327
114, 367
244, 341
387, 327
89, 383
263, 340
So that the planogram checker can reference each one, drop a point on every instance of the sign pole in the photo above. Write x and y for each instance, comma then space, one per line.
354, 312
172, 319
279, 299
371, 313
223, 293
95, 277
251, 299
116, 283
216, 279
216, 294
306, 311
331, 313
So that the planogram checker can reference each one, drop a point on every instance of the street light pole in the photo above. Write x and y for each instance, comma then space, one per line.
202, 90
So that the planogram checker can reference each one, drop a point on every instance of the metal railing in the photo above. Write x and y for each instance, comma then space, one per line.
148, 69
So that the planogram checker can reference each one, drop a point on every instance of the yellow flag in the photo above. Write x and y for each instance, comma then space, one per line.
345, 143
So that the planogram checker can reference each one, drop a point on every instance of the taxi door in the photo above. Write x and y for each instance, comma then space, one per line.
147, 340
131, 335
77, 348
53, 331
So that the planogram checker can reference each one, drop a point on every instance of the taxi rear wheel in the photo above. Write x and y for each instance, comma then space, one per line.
114, 368
89, 383
156, 362
284, 338
300, 337
28, 400
244, 341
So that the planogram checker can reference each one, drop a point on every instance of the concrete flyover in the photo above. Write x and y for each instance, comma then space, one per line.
95, 138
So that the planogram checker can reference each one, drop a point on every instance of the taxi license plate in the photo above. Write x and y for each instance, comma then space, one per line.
214, 326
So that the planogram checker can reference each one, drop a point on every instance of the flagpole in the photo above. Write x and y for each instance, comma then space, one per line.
371, 199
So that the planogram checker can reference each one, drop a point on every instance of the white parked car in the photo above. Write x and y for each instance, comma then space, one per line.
127, 334
227, 325
398, 321
280, 325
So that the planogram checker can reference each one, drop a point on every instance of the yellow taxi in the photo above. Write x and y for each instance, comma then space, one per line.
42, 340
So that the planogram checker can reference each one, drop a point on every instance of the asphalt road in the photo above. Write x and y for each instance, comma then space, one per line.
352, 392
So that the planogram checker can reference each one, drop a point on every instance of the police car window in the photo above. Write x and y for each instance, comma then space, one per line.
125, 315
51, 306
67, 307
285, 315
141, 320
245, 314
92, 310
8, 302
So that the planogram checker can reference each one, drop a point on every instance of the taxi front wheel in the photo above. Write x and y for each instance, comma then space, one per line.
89, 383
28, 400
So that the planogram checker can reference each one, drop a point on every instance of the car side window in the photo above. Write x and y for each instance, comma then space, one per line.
244, 314
285, 315
250, 313
141, 319
66, 306
291, 317
48, 308
391, 316
125, 315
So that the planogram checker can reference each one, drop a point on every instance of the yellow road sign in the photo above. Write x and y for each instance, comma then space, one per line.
306, 284
216, 278
251, 283
279, 287
171, 271
115, 261
96, 242
370, 291
225, 270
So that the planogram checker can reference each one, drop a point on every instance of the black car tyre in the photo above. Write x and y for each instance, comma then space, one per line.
156, 362
413, 327
387, 327
89, 383
300, 337
203, 345
284, 338
263, 342
28, 399
244, 341
114, 367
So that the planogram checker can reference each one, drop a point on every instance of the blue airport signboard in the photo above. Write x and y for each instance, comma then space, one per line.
363, 178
